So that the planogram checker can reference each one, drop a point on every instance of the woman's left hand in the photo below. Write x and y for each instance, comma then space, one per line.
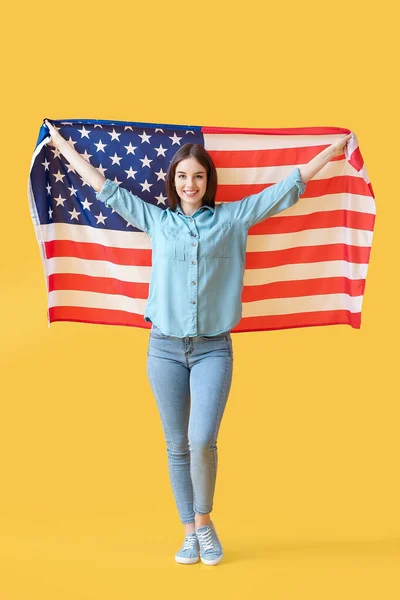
338, 146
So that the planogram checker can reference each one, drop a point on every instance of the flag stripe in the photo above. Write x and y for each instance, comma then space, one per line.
281, 289
263, 323
98, 268
268, 306
292, 256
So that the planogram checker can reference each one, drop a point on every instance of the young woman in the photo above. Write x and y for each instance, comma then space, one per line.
198, 256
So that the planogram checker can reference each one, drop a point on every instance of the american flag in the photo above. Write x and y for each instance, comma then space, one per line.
306, 266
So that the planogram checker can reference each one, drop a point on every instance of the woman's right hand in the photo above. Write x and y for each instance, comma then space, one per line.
53, 133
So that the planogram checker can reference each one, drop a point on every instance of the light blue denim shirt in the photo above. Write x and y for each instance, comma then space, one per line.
198, 261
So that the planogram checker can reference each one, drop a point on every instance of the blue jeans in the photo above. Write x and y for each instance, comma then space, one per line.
191, 379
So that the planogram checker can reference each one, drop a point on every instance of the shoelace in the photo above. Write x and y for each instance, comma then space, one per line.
190, 541
205, 537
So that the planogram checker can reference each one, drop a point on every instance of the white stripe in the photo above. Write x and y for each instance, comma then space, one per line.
278, 306
250, 141
289, 306
310, 237
96, 300
334, 268
329, 202
264, 175
87, 234
98, 268
139, 274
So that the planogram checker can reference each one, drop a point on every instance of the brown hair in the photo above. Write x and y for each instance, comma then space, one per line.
201, 154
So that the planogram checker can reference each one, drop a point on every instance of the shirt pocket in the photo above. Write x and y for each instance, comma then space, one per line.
173, 244
218, 244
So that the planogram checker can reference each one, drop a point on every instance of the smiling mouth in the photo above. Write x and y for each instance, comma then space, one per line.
191, 194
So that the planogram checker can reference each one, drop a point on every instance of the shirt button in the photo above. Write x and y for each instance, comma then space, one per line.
193, 283
194, 244
193, 262
191, 219
193, 301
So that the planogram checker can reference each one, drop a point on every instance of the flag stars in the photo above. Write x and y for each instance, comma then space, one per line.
50, 213
86, 156
146, 186
48, 188
84, 132
115, 180
56, 152
84, 182
130, 149
155, 131
100, 218
114, 135
59, 176
128, 127
71, 142
160, 150
74, 214
72, 190
60, 200
101, 169
116, 159
145, 137
145, 161
86, 204
46, 164
130, 173
100, 146
70, 168
160, 199
98, 125
161, 174
175, 139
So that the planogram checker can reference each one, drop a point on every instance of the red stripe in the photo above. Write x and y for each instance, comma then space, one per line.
101, 316
307, 254
317, 220
309, 319
261, 323
306, 287
269, 157
102, 285
90, 251
314, 189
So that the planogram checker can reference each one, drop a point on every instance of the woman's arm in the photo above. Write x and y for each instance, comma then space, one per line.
87, 171
308, 171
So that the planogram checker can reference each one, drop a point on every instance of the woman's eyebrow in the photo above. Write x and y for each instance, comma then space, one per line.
194, 173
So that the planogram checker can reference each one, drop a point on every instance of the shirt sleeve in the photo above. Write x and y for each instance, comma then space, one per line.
270, 201
133, 209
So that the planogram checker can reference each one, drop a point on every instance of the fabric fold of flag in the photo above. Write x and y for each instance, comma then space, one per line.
305, 266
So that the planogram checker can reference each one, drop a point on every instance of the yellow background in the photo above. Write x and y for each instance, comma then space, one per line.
307, 498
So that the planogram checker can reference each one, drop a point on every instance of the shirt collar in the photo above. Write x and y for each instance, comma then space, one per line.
179, 209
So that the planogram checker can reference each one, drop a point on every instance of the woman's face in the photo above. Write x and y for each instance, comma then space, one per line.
190, 182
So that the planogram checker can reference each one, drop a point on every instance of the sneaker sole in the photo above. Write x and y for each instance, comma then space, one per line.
212, 562
186, 561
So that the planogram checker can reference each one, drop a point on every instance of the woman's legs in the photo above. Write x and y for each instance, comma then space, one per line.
191, 379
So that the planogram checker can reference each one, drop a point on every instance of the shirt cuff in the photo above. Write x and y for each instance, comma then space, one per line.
107, 190
298, 180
